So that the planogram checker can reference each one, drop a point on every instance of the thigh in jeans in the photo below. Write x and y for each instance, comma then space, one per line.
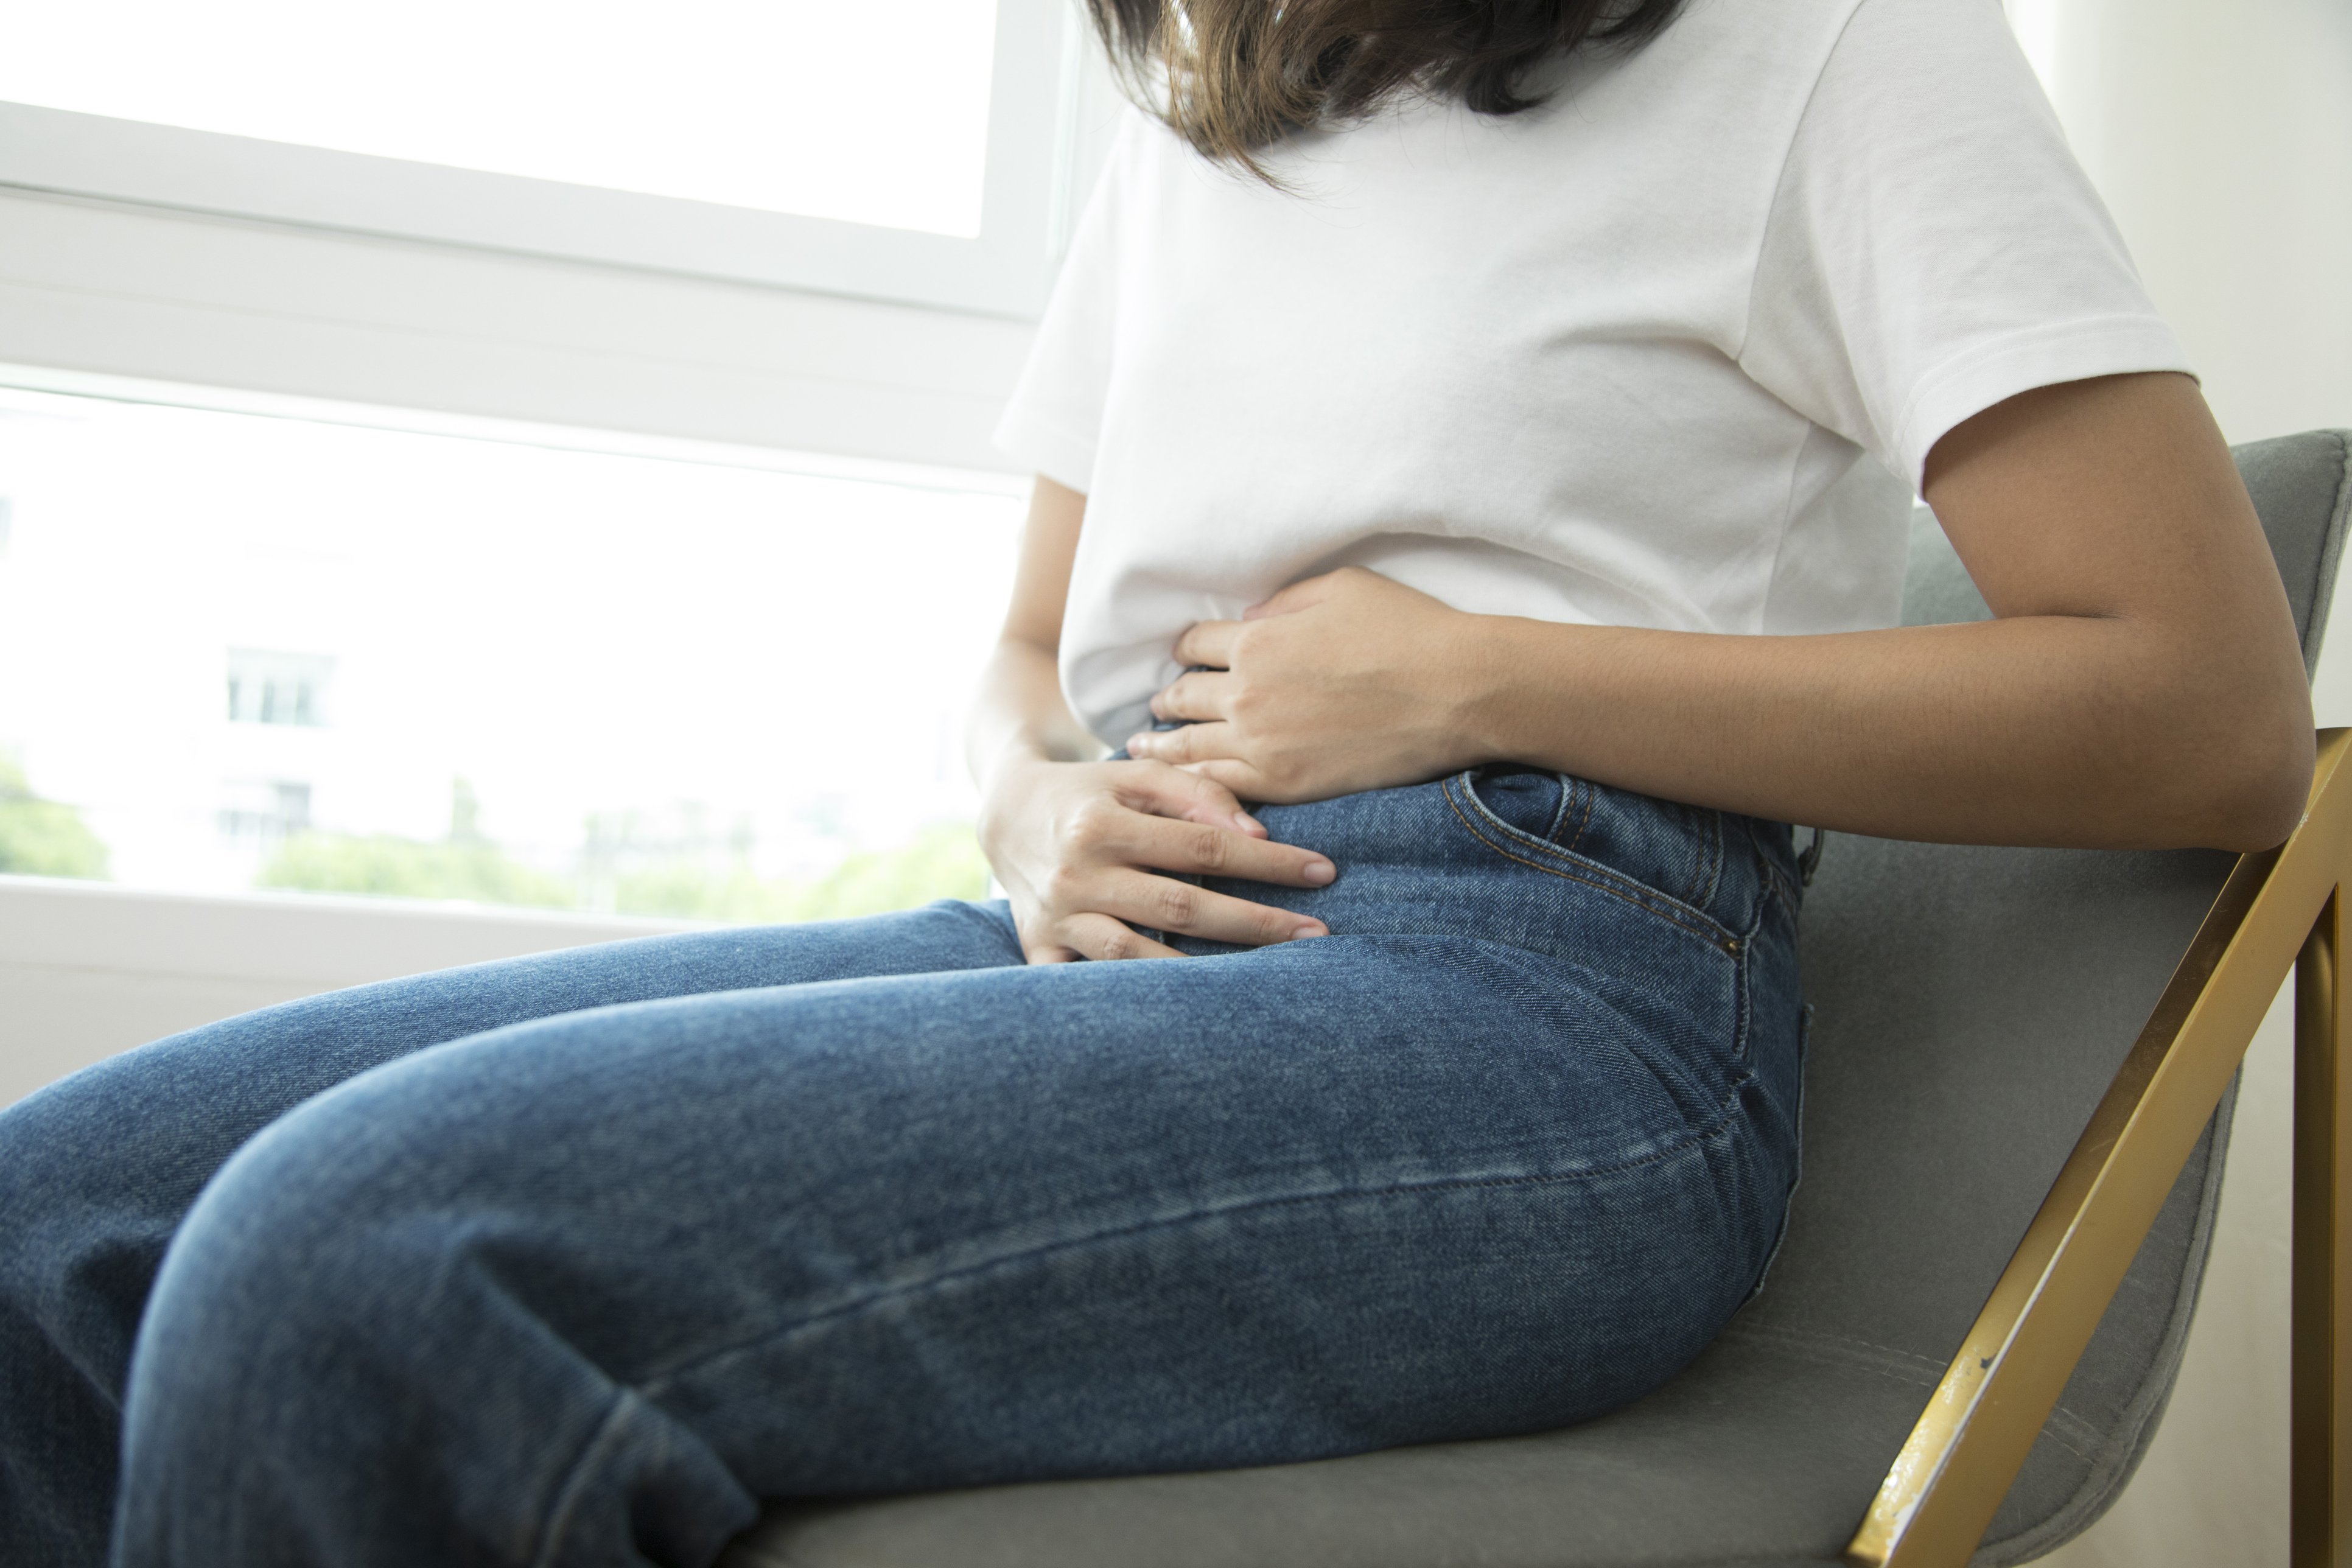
97, 1171
582, 1290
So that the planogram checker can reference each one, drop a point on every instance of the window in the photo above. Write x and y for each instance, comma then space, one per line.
239, 652
278, 687
711, 100
263, 813
911, 154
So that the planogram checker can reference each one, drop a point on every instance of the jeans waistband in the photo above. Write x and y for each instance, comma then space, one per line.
1544, 855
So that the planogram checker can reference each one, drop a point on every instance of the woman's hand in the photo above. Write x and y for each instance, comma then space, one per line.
1077, 846
1342, 682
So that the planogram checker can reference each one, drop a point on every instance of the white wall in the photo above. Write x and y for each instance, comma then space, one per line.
2220, 133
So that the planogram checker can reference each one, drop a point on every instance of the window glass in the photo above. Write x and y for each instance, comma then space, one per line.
246, 652
873, 115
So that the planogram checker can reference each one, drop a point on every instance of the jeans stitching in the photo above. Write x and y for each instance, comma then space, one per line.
1711, 858
1744, 965
1592, 798
1792, 898
566, 1501
1657, 903
1559, 812
1716, 1127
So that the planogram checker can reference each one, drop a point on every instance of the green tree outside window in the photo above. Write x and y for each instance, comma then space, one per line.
42, 838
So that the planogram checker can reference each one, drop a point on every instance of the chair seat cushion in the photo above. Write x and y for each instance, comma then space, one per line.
1766, 1451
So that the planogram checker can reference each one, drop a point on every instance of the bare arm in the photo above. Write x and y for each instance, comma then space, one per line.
2141, 684
1079, 843
1019, 710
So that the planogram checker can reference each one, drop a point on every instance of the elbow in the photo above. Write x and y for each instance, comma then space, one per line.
2257, 774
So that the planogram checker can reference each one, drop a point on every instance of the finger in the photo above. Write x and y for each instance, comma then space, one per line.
1192, 744
1201, 850
1037, 944
1050, 952
1297, 597
1162, 790
1242, 779
1196, 694
1163, 903
1101, 937
1208, 642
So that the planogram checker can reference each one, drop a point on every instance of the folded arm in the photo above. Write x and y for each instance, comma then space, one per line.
2141, 684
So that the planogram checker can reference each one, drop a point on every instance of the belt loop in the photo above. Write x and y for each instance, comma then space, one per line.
1810, 861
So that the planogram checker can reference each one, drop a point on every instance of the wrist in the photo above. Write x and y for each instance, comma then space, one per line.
1489, 666
1017, 755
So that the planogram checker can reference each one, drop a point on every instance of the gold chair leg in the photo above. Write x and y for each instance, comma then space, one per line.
2321, 1405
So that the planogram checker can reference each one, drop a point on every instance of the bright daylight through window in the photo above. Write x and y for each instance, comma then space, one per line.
747, 103
239, 652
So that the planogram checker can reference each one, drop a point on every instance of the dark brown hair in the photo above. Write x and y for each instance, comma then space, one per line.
1232, 76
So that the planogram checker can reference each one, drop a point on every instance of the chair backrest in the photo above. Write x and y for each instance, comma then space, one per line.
1940, 1106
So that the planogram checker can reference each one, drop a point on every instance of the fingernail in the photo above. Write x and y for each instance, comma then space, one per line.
1321, 871
1247, 823
1135, 743
1307, 930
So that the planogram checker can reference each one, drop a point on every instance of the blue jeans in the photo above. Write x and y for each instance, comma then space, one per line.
572, 1259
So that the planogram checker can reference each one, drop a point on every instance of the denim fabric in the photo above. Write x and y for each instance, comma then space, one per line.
571, 1259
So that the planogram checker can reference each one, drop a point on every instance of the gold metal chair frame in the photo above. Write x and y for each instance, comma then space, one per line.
2286, 907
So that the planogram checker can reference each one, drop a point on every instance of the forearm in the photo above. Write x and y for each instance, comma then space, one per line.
1018, 713
2080, 730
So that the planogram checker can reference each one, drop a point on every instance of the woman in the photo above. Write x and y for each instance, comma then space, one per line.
1485, 443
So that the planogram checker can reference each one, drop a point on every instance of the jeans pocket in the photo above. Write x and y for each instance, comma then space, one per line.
1531, 800
1665, 856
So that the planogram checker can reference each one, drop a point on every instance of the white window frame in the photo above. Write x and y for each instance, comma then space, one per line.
1034, 158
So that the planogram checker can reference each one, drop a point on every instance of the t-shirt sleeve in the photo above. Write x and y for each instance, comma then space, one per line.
1051, 423
1933, 246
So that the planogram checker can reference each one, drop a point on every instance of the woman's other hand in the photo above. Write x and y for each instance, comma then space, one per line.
1085, 848
1342, 682
1081, 849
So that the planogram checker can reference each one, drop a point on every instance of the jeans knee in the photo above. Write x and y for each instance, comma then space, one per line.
71, 1204
290, 1276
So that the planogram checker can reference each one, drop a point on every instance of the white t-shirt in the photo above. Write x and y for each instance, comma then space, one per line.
1668, 351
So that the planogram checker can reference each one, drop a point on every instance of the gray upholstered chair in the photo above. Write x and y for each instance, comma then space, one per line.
1976, 1010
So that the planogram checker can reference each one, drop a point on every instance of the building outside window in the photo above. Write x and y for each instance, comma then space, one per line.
266, 687
263, 813
277, 653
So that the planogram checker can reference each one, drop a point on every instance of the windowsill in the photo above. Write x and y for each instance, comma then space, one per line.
89, 969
